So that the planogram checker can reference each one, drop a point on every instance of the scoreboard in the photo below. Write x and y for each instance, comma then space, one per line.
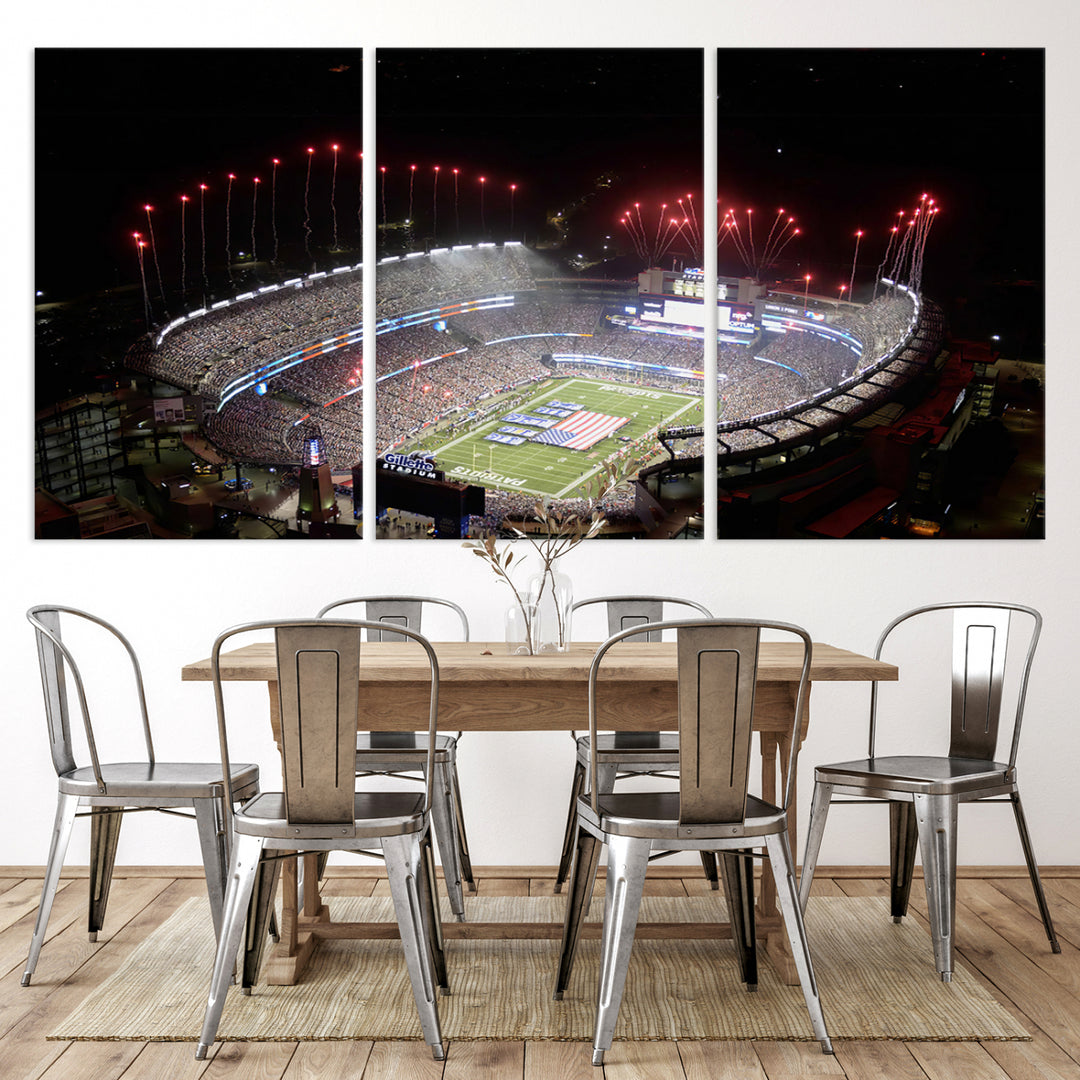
680, 311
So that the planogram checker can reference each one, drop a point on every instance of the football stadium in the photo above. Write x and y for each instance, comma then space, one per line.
503, 375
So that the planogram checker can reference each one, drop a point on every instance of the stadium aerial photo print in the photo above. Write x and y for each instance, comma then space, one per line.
523, 244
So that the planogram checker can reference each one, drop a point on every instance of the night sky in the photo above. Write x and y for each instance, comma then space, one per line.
842, 139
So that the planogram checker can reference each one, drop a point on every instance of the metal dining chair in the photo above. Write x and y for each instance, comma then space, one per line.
627, 753
112, 789
320, 810
711, 811
401, 754
924, 792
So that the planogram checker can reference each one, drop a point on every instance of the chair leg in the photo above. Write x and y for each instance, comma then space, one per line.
936, 819
586, 858
464, 858
212, 841
1033, 871
903, 840
577, 788
246, 855
738, 872
442, 819
105, 822
403, 868
429, 899
261, 922
628, 860
787, 898
708, 864
815, 830
66, 805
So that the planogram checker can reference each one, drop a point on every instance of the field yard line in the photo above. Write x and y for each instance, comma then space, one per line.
565, 390
589, 475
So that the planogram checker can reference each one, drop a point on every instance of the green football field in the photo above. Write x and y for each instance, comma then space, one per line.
556, 471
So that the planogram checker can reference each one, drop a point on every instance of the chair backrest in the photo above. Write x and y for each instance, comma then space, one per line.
717, 675
57, 662
980, 640
318, 671
624, 612
392, 611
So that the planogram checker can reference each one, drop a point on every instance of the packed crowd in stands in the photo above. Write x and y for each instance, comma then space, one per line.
428, 375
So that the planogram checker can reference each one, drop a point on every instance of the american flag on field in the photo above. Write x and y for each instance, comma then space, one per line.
582, 430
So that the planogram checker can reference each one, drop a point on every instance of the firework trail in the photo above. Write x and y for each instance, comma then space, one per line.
333, 192
854, 259
457, 219
307, 205
228, 219
157, 265
202, 237
183, 245
273, 208
254, 216
139, 245
435, 205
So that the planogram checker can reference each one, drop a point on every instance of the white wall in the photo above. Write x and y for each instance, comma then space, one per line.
173, 598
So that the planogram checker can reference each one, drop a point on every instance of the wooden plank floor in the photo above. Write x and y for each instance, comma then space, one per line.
999, 935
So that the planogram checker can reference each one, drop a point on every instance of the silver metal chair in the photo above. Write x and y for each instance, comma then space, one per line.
320, 810
710, 811
401, 754
111, 789
924, 792
627, 753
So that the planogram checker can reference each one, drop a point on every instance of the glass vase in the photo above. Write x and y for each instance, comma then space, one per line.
553, 594
521, 623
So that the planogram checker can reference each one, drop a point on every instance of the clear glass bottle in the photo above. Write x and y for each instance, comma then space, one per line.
553, 594
521, 623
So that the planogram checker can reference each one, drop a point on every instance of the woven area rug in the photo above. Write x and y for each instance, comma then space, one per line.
876, 980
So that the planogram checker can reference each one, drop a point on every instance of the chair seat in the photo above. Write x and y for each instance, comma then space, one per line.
376, 813
922, 775
160, 781
394, 746
624, 747
655, 814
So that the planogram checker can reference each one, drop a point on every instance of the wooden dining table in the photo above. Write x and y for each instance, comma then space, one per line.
483, 687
